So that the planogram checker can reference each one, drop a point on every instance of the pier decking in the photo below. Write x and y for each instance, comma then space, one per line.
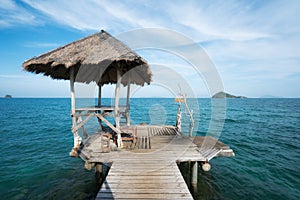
150, 173
151, 179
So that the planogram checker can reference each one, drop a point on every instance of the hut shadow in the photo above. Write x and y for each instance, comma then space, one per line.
104, 189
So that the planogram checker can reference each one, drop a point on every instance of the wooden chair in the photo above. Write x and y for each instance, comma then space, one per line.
105, 142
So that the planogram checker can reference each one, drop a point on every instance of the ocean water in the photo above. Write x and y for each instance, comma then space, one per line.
264, 133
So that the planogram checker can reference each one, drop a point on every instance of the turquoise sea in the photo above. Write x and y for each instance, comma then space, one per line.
264, 133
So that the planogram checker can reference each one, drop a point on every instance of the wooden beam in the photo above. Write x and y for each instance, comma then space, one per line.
82, 122
128, 105
109, 124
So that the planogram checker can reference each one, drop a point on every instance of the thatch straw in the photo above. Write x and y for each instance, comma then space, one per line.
94, 58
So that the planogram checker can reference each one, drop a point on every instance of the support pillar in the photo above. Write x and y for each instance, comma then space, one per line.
99, 103
77, 138
99, 170
117, 114
194, 179
99, 95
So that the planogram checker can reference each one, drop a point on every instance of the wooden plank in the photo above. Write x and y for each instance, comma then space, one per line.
143, 196
145, 190
96, 108
141, 185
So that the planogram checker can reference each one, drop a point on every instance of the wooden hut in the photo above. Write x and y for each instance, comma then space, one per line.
98, 58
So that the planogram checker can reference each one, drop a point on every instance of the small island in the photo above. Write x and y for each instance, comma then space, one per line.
226, 95
7, 96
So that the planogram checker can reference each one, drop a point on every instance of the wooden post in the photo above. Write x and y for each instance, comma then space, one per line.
117, 116
99, 170
99, 103
128, 105
191, 118
189, 175
191, 130
99, 167
194, 180
77, 138
99, 96
178, 119
72, 86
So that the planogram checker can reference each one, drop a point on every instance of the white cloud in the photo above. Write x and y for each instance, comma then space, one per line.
40, 44
254, 40
96, 15
230, 20
13, 14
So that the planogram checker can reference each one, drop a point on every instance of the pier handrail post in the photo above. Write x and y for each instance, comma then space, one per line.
117, 114
77, 138
178, 119
191, 118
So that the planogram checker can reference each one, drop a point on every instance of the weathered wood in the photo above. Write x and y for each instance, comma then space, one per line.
99, 167
96, 108
72, 87
178, 119
116, 111
145, 190
84, 133
128, 105
140, 184
148, 173
143, 196
105, 142
78, 126
108, 123
194, 179
99, 95
77, 138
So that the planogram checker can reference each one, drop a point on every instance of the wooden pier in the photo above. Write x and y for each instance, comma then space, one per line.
143, 158
150, 173
151, 179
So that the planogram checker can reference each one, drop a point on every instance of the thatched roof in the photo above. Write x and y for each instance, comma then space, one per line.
94, 58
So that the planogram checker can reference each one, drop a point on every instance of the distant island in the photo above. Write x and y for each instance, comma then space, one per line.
7, 96
226, 95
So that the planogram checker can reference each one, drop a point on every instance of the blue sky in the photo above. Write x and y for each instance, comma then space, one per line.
254, 45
